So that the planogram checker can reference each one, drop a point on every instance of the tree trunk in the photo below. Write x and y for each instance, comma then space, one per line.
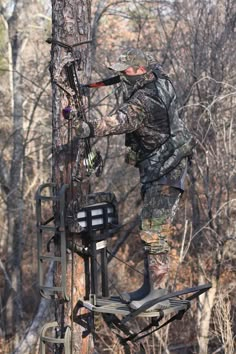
71, 24
15, 203
206, 302
31, 338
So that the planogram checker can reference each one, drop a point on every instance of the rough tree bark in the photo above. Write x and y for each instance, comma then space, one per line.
206, 302
14, 200
70, 24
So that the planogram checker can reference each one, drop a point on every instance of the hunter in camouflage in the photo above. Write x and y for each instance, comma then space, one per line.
158, 144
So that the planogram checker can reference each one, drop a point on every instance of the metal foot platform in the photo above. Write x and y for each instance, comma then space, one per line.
180, 302
117, 307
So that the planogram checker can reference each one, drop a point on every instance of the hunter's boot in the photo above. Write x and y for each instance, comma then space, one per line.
158, 266
144, 289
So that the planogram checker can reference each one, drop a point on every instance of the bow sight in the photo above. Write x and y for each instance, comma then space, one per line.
94, 163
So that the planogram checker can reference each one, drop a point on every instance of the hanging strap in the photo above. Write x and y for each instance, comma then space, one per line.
135, 337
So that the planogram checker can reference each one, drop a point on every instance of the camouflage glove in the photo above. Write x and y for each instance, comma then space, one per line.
131, 157
82, 128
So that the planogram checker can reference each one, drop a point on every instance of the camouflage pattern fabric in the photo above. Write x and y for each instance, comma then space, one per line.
83, 129
133, 57
160, 205
174, 178
159, 268
150, 120
101, 197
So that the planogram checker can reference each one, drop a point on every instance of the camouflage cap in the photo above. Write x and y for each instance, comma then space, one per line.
131, 58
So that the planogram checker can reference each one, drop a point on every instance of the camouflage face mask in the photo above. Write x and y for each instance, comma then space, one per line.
128, 83
129, 80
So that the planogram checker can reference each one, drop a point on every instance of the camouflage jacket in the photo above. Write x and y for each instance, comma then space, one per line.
153, 128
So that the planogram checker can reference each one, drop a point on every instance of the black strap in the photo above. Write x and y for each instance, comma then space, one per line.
154, 322
114, 321
178, 316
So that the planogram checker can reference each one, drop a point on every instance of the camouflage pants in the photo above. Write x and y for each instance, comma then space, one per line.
160, 205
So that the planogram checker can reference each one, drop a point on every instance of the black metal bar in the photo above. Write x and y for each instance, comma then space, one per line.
48, 220
104, 272
94, 272
80, 43
87, 277
62, 88
66, 46
105, 216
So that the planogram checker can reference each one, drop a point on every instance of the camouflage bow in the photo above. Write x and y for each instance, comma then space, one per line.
92, 160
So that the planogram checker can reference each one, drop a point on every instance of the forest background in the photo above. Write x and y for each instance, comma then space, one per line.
195, 44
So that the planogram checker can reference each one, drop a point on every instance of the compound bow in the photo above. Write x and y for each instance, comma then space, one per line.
75, 109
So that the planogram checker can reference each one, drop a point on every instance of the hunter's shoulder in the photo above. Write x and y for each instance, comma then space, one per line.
159, 72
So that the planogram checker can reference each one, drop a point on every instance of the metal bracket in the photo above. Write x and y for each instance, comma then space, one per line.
84, 319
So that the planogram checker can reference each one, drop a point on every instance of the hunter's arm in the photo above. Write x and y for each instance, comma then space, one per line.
127, 119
